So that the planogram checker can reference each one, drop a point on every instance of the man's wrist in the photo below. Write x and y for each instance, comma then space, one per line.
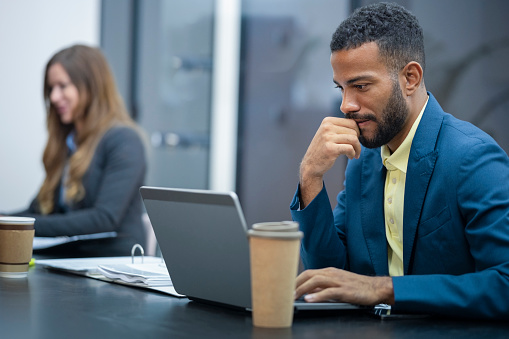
385, 290
308, 190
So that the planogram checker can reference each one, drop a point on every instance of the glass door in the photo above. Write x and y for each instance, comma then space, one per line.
173, 72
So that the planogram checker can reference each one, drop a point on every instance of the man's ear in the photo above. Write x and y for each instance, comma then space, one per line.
412, 74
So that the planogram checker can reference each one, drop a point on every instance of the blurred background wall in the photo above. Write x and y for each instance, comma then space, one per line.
31, 31
164, 56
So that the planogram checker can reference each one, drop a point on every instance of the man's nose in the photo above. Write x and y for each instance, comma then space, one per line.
349, 103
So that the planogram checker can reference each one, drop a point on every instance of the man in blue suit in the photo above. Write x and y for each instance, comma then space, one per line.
423, 221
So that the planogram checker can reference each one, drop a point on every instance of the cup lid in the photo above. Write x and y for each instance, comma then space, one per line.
276, 235
17, 220
280, 226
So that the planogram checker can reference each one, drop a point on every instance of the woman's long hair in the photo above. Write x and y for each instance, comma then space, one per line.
100, 107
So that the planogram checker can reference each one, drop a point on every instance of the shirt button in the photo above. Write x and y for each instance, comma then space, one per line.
394, 180
392, 221
389, 200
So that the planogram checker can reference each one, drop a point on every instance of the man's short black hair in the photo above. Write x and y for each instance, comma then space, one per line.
395, 30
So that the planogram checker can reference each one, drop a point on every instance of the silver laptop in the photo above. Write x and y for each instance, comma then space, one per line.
203, 239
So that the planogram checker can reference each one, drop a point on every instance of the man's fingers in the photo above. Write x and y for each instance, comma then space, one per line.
347, 145
328, 273
303, 277
315, 282
336, 284
338, 129
324, 295
335, 137
341, 122
342, 135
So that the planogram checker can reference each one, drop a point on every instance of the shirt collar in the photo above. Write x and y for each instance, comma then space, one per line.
399, 159
70, 141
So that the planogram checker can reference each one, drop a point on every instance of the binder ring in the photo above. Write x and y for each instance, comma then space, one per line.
133, 250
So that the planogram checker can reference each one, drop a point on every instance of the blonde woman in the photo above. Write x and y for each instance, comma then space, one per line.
94, 157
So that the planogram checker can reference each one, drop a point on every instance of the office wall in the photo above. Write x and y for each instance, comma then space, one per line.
30, 32
285, 92
467, 45
467, 48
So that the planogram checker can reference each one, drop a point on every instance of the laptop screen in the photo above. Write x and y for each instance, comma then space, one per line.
203, 239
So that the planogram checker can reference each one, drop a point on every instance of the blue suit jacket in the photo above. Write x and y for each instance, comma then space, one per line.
455, 223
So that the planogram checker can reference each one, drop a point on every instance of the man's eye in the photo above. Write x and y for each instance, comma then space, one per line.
361, 87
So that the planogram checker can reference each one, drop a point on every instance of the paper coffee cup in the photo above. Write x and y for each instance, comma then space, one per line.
16, 243
274, 257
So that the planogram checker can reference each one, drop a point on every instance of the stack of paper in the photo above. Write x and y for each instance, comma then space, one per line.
41, 243
148, 274
89, 267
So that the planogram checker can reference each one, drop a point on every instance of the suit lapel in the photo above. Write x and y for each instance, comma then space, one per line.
421, 164
417, 181
372, 211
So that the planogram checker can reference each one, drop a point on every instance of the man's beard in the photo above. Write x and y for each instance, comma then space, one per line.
391, 121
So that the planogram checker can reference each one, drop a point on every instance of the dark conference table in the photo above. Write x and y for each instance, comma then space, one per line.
51, 304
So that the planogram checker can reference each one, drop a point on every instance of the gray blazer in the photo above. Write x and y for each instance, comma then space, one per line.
111, 203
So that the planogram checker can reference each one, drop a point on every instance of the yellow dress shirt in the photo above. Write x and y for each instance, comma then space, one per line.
394, 197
